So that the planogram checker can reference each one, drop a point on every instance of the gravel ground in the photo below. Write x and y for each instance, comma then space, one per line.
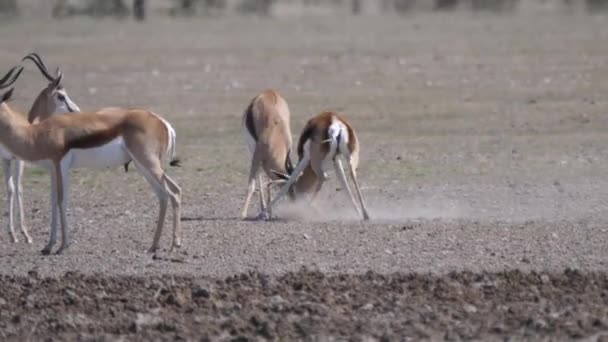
483, 159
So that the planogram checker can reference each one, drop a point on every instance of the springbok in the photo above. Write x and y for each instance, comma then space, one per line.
325, 139
266, 128
144, 137
44, 105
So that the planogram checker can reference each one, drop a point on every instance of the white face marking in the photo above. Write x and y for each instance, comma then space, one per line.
63, 103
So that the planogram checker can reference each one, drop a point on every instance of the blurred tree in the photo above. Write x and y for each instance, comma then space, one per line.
190, 7
98, 8
356, 6
494, 5
446, 4
118, 7
8, 6
187, 5
402, 6
184, 7
596, 5
139, 9
261, 7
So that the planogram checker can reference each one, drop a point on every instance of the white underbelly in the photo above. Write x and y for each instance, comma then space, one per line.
111, 154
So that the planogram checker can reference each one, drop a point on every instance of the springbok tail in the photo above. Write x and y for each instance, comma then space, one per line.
173, 159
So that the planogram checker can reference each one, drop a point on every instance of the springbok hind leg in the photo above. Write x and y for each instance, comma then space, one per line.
253, 171
353, 175
22, 226
10, 192
175, 195
154, 174
342, 178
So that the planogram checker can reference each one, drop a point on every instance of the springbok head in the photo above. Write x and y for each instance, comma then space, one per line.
53, 99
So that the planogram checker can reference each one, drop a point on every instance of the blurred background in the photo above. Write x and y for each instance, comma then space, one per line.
140, 9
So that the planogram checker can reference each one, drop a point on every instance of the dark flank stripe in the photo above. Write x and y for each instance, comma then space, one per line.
93, 140
307, 134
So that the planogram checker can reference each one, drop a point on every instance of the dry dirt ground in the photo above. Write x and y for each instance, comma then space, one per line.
484, 164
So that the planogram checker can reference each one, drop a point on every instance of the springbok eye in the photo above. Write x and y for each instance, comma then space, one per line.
61, 97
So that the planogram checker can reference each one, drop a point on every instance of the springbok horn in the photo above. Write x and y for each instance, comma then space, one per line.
40, 64
7, 81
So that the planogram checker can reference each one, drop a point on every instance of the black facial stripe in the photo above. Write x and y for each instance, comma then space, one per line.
70, 109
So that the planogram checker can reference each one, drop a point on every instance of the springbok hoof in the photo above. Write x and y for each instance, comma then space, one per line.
46, 251
61, 249
263, 216
28, 238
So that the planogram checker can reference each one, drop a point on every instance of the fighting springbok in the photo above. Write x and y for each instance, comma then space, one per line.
325, 139
266, 128
44, 105
145, 138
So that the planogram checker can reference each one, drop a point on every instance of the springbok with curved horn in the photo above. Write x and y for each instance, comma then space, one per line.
44, 105
13, 181
146, 137
325, 139
53, 99
109, 155
266, 128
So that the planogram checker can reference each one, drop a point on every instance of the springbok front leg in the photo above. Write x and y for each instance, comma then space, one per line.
62, 192
253, 172
55, 210
10, 193
261, 188
53, 235
302, 164
263, 201
18, 190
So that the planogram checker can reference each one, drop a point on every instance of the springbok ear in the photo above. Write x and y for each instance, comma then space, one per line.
281, 175
7, 96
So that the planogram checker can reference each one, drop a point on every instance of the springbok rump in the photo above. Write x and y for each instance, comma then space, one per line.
266, 129
326, 139
147, 139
